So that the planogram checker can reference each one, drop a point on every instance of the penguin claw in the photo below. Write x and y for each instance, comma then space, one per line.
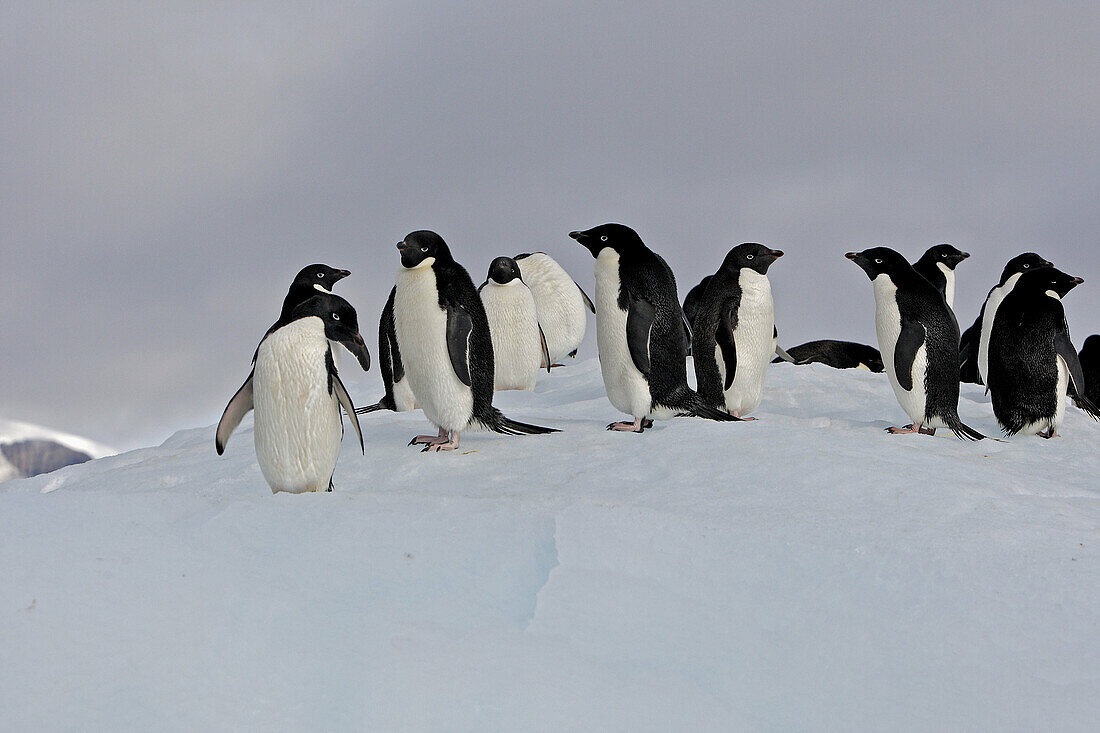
902, 431
638, 426
421, 439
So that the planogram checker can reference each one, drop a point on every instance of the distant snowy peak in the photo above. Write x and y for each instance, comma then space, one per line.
28, 450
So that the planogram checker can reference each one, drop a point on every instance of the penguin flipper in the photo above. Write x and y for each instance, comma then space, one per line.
1063, 347
639, 325
345, 400
545, 351
587, 301
727, 345
909, 342
459, 328
235, 411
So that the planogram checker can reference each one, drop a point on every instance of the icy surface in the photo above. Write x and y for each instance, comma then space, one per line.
804, 572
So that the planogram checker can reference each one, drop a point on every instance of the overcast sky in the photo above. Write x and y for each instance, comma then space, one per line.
165, 172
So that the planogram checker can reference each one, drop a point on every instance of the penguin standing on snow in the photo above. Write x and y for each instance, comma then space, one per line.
640, 331
1031, 358
445, 344
297, 395
1090, 367
937, 265
560, 303
919, 341
837, 354
399, 396
734, 331
519, 344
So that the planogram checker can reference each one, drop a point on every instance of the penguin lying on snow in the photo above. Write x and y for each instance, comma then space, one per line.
519, 344
297, 395
398, 396
640, 331
559, 301
734, 331
937, 266
1090, 367
919, 341
1031, 358
837, 354
443, 331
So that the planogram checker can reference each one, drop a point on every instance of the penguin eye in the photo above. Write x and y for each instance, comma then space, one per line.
749, 257
320, 274
336, 316
878, 260
1026, 266
603, 238
424, 248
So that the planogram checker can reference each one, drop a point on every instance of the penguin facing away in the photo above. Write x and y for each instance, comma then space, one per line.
297, 395
693, 298
937, 265
734, 331
1012, 272
445, 344
640, 331
919, 341
398, 396
559, 301
837, 354
519, 344
1090, 367
1031, 358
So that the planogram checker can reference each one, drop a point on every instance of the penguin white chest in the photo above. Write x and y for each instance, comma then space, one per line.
754, 341
627, 388
421, 326
888, 329
558, 302
949, 288
992, 303
514, 330
298, 427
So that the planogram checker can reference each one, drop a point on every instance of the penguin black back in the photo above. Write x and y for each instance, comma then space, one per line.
836, 354
694, 296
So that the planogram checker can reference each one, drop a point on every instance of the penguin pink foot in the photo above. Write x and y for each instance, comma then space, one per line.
911, 428
449, 443
430, 439
638, 426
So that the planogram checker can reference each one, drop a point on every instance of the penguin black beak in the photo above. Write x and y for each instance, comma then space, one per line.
1078, 280
777, 253
341, 274
852, 255
358, 347
575, 235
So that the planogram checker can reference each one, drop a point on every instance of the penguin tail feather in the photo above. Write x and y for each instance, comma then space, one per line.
1087, 405
961, 430
370, 408
498, 423
687, 403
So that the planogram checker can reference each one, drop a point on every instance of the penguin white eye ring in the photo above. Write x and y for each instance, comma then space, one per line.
320, 274
603, 238
878, 261
749, 257
336, 316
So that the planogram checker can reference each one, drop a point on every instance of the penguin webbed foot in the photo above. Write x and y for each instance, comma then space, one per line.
1048, 434
440, 437
910, 428
638, 426
441, 444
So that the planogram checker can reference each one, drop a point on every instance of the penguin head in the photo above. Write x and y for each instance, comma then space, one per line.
504, 270
750, 256
1049, 281
618, 237
879, 261
1091, 347
871, 358
1022, 263
321, 277
943, 254
340, 321
423, 248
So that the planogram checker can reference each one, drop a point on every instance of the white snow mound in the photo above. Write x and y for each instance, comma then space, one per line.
804, 572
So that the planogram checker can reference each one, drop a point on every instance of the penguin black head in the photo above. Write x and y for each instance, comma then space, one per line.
943, 254
422, 248
321, 277
751, 256
1091, 347
879, 261
341, 323
618, 237
1023, 263
504, 270
1049, 281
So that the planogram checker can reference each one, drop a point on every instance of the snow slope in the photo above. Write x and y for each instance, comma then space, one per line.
804, 572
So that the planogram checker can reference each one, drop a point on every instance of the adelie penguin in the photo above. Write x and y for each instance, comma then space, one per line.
1032, 361
297, 395
445, 344
918, 338
399, 396
974, 345
837, 354
734, 331
937, 266
691, 310
559, 301
519, 344
640, 331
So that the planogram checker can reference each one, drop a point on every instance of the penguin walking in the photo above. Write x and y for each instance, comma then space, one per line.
1090, 367
640, 331
918, 337
837, 354
559, 301
297, 395
937, 266
734, 331
519, 344
445, 343
1032, 361
399, 396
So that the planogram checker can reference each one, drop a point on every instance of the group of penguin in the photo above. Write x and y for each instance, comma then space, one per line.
446, 346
